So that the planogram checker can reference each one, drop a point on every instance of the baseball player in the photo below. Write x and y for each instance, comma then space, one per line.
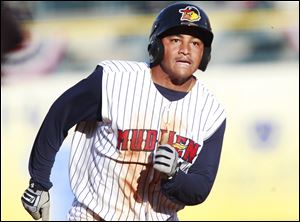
148, 136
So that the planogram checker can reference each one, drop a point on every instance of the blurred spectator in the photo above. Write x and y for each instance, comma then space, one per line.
11, 31
25, 53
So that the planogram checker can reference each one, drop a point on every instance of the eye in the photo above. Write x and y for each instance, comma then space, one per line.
196, 43
175, 40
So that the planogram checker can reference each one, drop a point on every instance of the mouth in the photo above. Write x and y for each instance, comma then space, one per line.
184, 62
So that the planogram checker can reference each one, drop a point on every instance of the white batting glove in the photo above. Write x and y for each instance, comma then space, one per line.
36, 202
165, 160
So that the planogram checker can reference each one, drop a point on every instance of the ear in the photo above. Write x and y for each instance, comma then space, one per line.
156, 51
205, 58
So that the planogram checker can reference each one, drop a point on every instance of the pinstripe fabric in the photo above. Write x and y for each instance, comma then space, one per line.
111, 161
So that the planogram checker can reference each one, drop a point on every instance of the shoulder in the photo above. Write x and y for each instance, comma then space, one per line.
207, 96
213, 112
123, 66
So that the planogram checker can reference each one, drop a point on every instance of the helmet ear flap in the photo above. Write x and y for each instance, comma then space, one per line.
156, 51
205, 58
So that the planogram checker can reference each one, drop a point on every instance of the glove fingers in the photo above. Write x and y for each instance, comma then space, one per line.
162, 168
161, 156
168, 148
35, 215
165, 159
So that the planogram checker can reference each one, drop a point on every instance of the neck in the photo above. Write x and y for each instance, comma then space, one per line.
163, 79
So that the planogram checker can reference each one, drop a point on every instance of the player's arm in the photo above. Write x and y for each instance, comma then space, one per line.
79, 103
193, 188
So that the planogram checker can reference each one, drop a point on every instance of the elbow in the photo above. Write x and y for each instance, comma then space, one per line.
202, 185
199, 197
201, 192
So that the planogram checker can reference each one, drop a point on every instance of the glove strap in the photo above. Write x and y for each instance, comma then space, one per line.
36, 186
176, 171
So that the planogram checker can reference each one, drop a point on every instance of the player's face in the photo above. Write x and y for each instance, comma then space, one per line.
182, 56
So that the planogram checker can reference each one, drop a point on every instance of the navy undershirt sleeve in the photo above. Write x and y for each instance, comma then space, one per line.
193, 188
79, 103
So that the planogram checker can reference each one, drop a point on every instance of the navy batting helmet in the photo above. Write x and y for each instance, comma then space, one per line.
180, 18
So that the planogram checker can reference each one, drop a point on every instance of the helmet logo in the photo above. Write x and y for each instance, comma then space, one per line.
190, 13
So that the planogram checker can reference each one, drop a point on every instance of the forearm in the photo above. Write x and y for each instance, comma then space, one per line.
193, 187
187, 189
51, 135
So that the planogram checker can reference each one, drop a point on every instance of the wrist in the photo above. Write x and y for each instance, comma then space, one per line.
36, 186
174, 174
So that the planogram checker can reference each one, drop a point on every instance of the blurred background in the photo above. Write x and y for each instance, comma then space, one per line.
48, 46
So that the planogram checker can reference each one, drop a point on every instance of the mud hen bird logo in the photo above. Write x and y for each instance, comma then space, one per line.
190, 14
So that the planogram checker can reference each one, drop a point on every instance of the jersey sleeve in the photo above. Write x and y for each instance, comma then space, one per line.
81, 102
194, 187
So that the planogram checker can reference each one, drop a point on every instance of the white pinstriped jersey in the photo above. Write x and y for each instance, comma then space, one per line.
111, 161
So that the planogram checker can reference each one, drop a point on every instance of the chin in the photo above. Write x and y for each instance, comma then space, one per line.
179, 81
181, 78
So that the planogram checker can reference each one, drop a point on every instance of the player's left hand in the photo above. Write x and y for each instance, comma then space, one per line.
165, 160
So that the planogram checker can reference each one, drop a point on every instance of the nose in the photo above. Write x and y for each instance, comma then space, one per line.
184, 48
